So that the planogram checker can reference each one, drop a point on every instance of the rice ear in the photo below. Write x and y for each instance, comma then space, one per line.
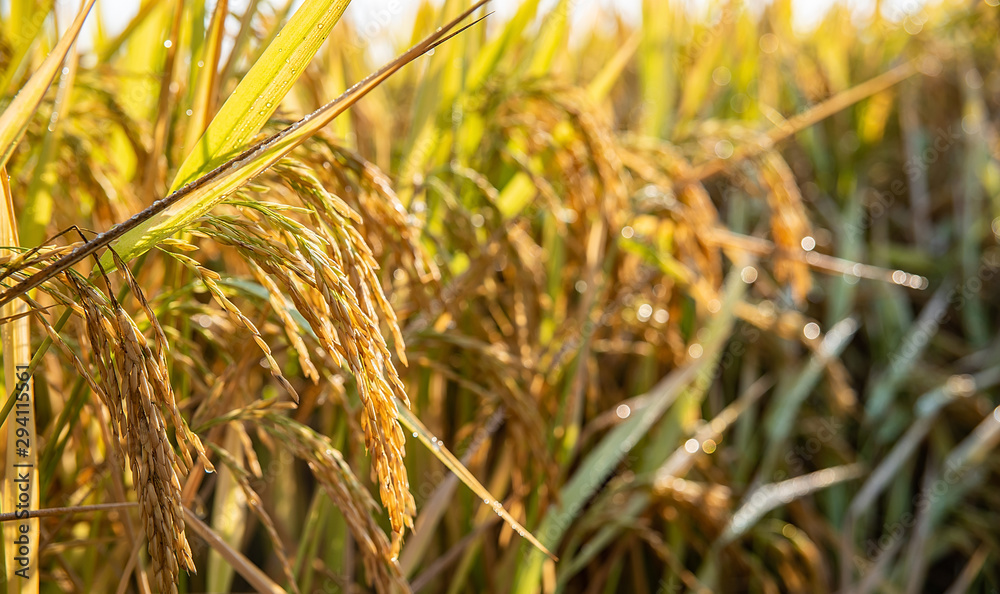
159, 374
331, 282
125, 363
152, 458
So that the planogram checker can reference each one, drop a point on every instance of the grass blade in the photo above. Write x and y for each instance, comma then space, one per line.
602, 459
245, 567
27, 29
206, 88
229, 177
19, 430
773, 495
15, 118
262, 89
410, 421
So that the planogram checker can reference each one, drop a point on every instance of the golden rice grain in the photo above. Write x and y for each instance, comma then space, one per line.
125, 361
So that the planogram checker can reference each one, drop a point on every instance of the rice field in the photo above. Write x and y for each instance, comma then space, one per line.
699, 302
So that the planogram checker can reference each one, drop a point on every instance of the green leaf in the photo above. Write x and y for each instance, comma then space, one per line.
602, 460
23, 25
199, 197
15, 118
258, 94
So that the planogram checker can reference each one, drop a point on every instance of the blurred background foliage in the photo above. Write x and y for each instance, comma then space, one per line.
707, 303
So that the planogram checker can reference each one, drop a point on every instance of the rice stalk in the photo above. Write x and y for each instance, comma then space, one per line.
255, 503
18, 434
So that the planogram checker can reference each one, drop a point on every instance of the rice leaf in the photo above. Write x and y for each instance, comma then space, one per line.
14, 119
410, 421
262, 89
18, 431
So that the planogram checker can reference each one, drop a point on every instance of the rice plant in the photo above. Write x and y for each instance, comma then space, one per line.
699, 301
